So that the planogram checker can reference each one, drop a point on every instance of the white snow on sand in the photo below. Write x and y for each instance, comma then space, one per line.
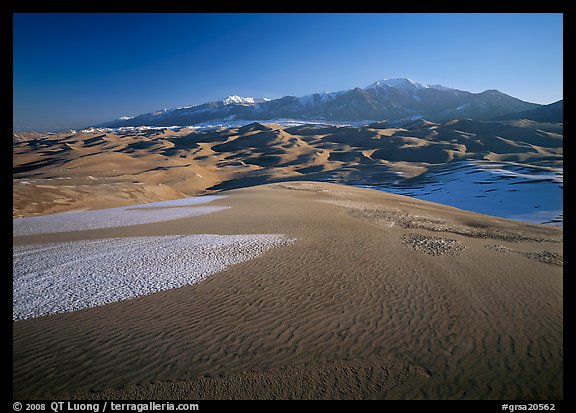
116, 217
70, 276
504, 189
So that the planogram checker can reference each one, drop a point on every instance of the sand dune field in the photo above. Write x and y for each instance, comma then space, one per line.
94, 169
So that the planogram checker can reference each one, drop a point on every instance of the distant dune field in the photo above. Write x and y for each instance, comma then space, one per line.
101, 168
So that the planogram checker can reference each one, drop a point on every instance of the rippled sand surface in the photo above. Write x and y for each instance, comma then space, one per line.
378, 296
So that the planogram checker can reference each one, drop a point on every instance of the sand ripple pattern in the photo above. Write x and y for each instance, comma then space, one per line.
115, 217
70, 276
356, 379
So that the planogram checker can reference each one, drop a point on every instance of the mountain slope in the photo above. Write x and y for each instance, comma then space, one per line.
391, 99
552, 113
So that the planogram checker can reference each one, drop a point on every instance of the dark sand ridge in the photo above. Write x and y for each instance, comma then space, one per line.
359, 307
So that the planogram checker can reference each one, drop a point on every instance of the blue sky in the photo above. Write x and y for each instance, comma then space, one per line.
73, 70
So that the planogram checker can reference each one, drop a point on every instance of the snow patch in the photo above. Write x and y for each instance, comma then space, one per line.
507, 190
70, 276
115, 217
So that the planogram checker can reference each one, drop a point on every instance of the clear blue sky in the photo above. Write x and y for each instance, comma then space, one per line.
73, 70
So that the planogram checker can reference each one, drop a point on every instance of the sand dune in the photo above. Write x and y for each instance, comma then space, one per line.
97, 169
379, 296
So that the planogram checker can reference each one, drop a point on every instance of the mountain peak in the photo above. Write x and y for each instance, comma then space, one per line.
235, 99
398, 83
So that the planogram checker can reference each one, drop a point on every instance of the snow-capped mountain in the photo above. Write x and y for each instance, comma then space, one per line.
237, 100
389, 99
404, 84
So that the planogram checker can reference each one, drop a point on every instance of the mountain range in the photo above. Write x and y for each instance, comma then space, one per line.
390, 99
